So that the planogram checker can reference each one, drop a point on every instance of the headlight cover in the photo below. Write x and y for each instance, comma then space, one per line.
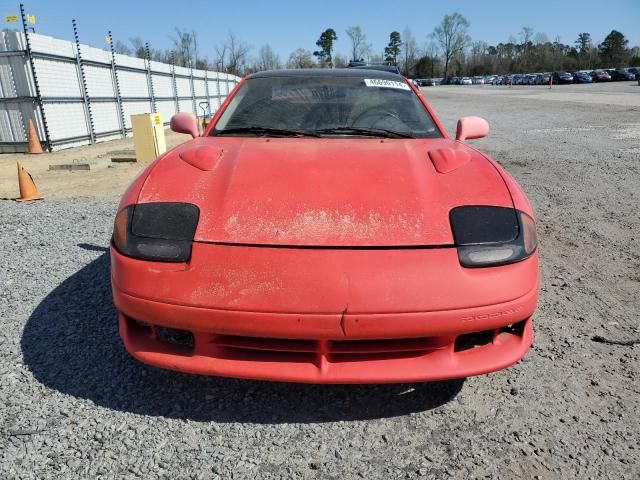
492, 236
161, 231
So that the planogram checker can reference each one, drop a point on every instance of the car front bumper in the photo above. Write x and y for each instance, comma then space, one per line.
319, 328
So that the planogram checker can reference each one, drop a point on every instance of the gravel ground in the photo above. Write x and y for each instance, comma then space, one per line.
75, 405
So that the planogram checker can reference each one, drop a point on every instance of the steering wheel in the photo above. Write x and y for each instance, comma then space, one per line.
381, 114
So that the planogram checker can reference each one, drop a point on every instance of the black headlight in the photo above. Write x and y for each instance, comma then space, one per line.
492, 236
160, 231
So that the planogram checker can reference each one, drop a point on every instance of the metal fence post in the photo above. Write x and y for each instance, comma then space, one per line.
35, 78
173, 83
206, 89
152, 97
114, 75
218, 90
83, 84
193, 90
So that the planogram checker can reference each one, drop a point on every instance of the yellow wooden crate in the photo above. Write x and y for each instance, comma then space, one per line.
148, 136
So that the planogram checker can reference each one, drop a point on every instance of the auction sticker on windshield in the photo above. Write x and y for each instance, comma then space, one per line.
379, 82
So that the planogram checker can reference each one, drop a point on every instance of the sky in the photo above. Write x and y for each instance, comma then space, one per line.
290, 24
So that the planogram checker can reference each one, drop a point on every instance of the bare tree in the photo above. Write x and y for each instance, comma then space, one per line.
409, 51
138, 47
340, 61
122, 48
526, 35
300, 58
220, 61
237, 54
452, 37
185, 46
431, 51
540, 38
359, 46
376, 58
267, 59
202, 64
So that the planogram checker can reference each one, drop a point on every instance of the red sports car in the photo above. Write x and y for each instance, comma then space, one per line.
325, 229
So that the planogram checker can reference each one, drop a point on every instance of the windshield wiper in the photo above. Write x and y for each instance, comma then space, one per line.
266, 131
371, 132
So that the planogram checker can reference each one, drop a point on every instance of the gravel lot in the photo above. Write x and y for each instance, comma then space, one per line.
74, 405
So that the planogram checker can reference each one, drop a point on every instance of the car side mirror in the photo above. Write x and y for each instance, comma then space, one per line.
472, 127
185, 123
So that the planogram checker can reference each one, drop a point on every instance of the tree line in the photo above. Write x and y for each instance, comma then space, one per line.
447, 51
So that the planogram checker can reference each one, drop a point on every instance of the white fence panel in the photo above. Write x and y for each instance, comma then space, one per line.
66, 120
162, 86
199, 88
57, 79
54, 46
134, 108
186, 106
133, 84
95, 54
183, 86
166, 108
99, 81
62, 85
105, 117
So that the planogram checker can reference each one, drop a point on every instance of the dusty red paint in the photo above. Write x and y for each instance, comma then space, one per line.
325, 192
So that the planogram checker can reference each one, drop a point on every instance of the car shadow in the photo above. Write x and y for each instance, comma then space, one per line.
71, 344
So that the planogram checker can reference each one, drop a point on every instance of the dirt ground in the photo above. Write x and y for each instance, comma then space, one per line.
105, 179
76, 405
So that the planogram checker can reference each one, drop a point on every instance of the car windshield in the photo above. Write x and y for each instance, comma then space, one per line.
326, 106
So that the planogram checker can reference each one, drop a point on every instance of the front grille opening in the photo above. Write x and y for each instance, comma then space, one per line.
175, 336
473, 340
386, 345
267, 344
514, 329
273, 356
374, 356
137, 327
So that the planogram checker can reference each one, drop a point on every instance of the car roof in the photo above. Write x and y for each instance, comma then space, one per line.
327, 72
382, 68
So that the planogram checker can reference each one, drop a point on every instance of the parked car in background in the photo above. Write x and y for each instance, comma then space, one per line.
634, 70
600, 76
621, 74
582, 77
477, 80
543, 78
430, 82
465, 81
562, 77
531, 79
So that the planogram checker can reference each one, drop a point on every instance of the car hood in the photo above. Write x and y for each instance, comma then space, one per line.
334, 192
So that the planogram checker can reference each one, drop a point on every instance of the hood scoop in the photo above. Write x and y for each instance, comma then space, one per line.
204, 157
446, 160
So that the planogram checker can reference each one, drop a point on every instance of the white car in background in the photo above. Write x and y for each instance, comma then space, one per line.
478, 80
466, 81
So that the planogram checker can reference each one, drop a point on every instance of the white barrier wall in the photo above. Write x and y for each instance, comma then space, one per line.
87, 95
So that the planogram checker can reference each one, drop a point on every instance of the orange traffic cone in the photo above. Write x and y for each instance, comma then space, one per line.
32, 137
28, 190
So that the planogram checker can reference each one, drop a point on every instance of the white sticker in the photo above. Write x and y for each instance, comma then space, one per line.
379, 82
